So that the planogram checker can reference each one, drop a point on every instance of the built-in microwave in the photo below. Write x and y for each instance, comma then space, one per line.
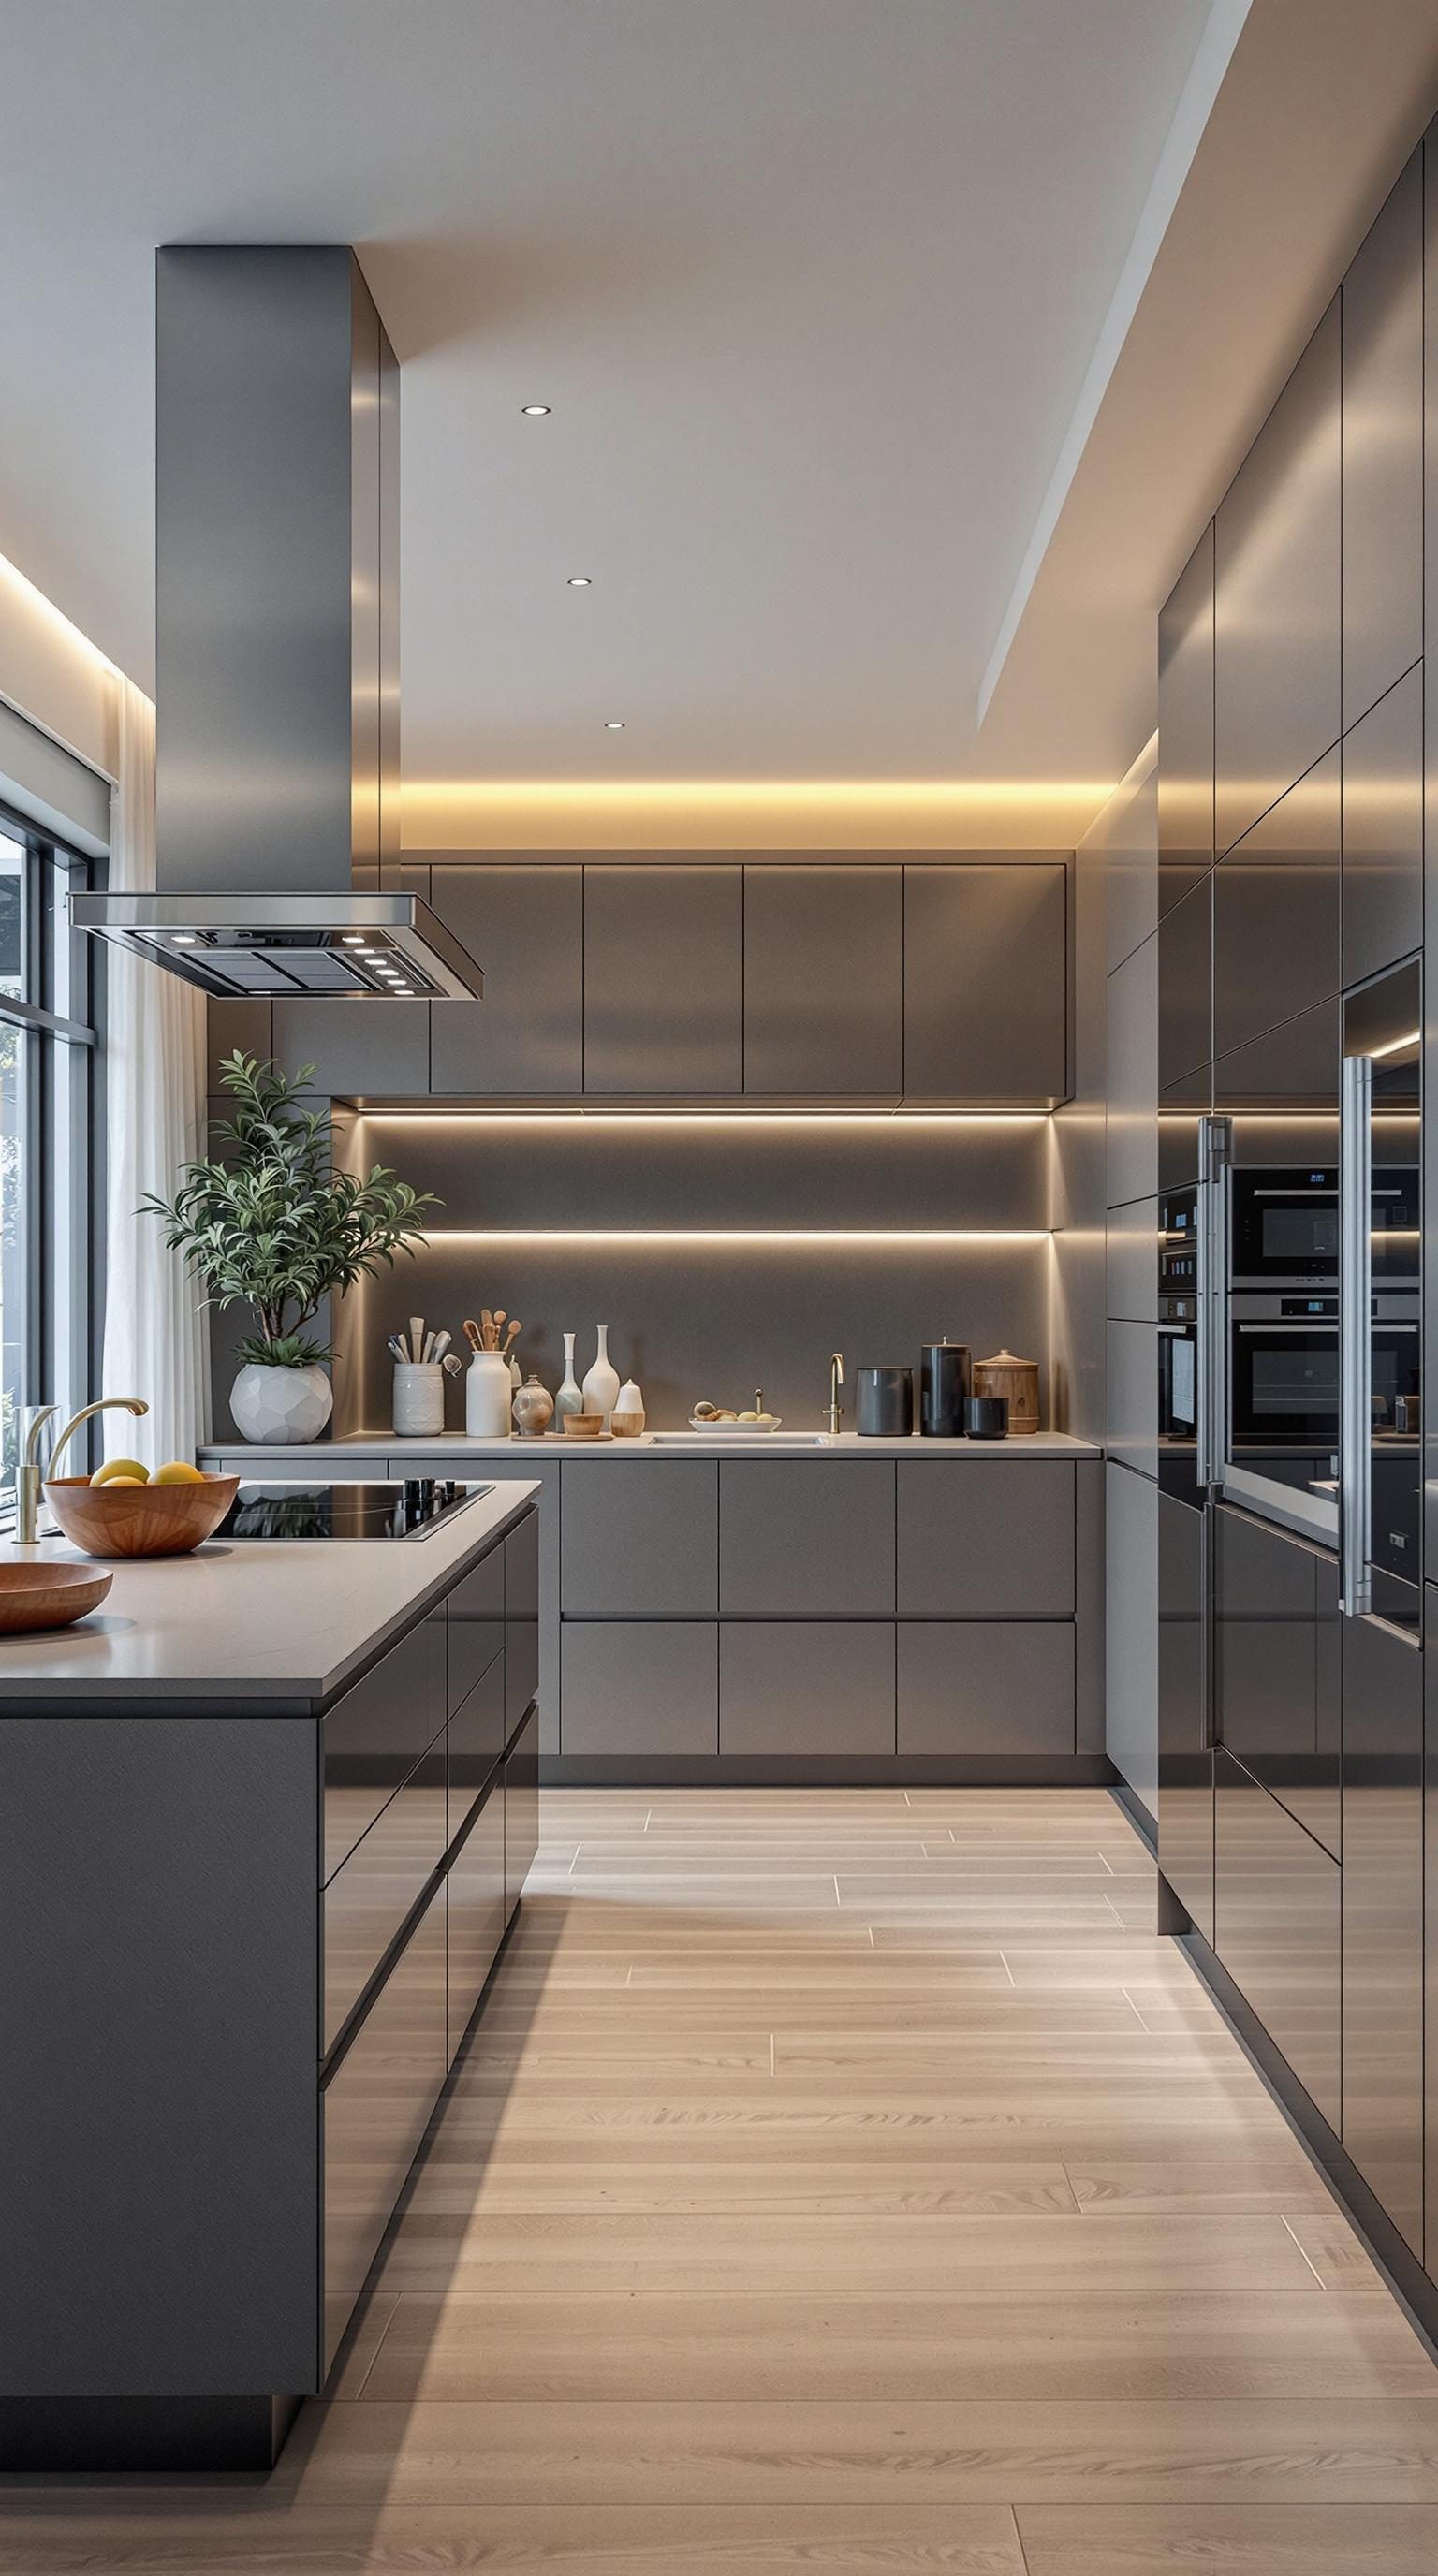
1284, 1225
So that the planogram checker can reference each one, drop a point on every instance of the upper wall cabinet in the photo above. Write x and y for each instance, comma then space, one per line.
1277, 656
1185, 728
1275, 912
1185, 985
1383, 833
664, 979
359, 1050
985, 983
824, 981
1383, 451
525, 925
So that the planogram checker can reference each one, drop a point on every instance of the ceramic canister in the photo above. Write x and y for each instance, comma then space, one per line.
418, 1399
944, 1375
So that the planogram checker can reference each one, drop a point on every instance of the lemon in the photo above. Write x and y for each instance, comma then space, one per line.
121, 1471
177, 1471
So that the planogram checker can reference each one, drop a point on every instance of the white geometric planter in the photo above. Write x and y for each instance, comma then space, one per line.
281, 1405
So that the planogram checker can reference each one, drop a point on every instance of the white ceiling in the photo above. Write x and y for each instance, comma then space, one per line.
818, 291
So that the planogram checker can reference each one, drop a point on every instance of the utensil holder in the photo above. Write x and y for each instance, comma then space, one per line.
418, 1399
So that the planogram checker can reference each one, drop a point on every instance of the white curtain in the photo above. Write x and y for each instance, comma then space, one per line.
156, 1327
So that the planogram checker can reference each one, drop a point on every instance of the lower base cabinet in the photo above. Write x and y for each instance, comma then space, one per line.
374, 2110
1185, 1758
636, 1687
973, 1686
1278, 1928
478, 1911
521, 1810
794, 1687
1383, 1917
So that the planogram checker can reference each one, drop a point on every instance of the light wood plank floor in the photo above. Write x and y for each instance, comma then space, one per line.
840, 2181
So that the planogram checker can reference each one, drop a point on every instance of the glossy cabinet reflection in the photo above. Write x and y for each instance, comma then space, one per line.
1277, 1928
1277, 685
1185, 1762
1275, 912
1383, 833
1275, 1659
675, 937
1185, 985
1383, 1916
1185, 727
1430, 1850
525, 924
1383, 450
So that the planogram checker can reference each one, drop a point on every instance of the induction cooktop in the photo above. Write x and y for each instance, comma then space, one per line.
291, 1507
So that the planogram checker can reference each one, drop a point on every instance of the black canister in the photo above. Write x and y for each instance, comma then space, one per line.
886, 1403
986, 1417
945, 1379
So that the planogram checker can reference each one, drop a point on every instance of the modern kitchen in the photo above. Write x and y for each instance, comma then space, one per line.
717, 1744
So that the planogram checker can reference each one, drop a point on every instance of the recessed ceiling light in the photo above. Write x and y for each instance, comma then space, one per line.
580, 581
614, 724
536, 411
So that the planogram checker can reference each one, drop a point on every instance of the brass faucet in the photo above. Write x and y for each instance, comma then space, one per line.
27, 1474
834, 1411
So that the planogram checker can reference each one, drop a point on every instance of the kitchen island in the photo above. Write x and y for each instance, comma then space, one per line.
264, 1821
795, 1609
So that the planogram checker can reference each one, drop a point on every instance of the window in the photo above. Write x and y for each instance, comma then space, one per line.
48, 1058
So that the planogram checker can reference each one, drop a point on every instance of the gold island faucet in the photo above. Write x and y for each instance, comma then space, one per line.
833, 1410
27, 1474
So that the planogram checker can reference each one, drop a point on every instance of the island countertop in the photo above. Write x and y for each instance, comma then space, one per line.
277, 1626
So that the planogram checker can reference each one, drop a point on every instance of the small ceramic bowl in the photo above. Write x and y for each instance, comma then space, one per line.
626, 1426
583, 1426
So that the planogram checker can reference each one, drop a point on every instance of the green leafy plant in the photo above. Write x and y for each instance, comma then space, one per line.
269, 1222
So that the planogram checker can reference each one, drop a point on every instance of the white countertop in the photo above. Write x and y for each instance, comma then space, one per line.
457, 1452
274, 1625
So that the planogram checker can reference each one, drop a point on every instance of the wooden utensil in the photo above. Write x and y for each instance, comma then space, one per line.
512, 1336
473, 1335
39, 1596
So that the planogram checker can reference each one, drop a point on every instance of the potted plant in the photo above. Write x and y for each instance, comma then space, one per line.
271, 1224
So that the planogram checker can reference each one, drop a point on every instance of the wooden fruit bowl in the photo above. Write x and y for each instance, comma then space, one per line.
47, 1596
139, 1520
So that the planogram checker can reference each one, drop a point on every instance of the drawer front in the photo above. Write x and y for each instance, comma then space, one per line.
986, 1538
521, 1812
1277, 1928
806, 1537
639, 1539
367, 1900
811, 1686
971, 1688
476, 1625
477, 1737
375, 2110
640, 1687
521, 1618
373, 1737
477, 1911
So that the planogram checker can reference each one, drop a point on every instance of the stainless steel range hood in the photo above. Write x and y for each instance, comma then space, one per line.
277, 612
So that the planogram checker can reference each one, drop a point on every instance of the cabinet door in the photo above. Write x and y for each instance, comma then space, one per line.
1131, 1630
985, 984
1185, 1761
1267, 1708
1277, 596
359, 1050
373, 1736
663, 979
1430, 1852
824, 981
806, 1538
640, 1688
1185, 985
967, 1687
376, 2109
1131, 1100
521, 1812
521, 1619
477, 1738
1383, 450
1185, 727
369, 1898
1383, 833
525, 924
639, 1538
985, 1538
807, 1688
1383, 1916
477, 1914
1133, 1263
1275, 912
476, 1625
1277, 1928
1133, 1396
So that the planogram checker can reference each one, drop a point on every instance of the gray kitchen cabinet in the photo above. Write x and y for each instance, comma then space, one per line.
1383, 450
477, 1914
974, 1687
476, 1626
639, 1688
806, 1538
521, 1811
1383, 833
806, 1687
525, 925
1275, 912
1185, 728
988, 1540
372, 1738
377, 1887
1382, 1905
1131, 1632
639, 1538
244, 1025
1133, 1263
521, 1619
1133, 1396
1185, 985
663, 979
986, 983
1277, 1927
477, 1735
824, 981
1277, 653
359, 1050
1131, 1090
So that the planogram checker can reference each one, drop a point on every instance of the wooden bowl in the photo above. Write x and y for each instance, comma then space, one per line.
46, 1596
139, 1520
626, 1426
583, 1426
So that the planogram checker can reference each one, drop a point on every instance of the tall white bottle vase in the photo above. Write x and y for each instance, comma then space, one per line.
570, 1398
487, 1397
601, 1383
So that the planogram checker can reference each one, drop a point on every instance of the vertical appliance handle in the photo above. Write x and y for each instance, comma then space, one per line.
1215, 1145
1355, 1300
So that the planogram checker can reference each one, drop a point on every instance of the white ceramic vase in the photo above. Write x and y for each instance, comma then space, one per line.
487, 1397
281, 1406
570, 1398
601, 1381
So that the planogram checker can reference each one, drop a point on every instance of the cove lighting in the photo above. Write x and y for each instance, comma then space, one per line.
714, 1235
708, 1117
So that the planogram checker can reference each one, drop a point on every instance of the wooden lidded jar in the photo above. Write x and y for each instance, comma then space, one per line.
1018, 1380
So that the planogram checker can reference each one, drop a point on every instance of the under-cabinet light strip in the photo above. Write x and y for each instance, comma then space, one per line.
707, 1117
907, 1236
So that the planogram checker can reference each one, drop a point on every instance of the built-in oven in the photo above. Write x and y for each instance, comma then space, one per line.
1284, 1225
1178, 1332
1285, 1385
